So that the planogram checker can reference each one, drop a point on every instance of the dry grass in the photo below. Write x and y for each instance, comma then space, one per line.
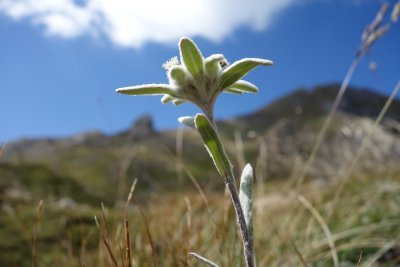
166, 227
286, 232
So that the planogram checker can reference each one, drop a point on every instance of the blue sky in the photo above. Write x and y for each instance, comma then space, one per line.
60, 60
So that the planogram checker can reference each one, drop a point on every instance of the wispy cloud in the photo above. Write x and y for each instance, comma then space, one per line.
132, 23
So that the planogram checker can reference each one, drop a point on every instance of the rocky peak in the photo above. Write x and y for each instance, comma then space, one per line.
142, 128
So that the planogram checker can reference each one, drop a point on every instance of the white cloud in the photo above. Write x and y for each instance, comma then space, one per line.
132, 23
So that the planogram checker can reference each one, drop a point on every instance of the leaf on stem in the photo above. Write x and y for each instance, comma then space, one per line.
246, 196
212, 64
147, 89
243, 86
188, 121
233, 91
178, 101
213, 145
166, 98
246, 199
178, 74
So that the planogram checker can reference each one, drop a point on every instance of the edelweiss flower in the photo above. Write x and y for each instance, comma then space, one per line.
199, 80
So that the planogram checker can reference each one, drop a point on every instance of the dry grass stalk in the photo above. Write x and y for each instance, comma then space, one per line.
104, 217
283, 238
123, 170
363, 145
128, 259
197, 185
191, 177
39, 209
374, 31
324, 227
396, 12
327, 122
379, 254
370, 35
202, 195
104, 239
298, 253
204, 260
359, 259
148, 233
206, 202
121, 253
187, 229
353, 232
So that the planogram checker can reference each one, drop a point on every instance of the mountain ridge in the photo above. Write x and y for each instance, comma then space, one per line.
318, 100
277, 138
363, 102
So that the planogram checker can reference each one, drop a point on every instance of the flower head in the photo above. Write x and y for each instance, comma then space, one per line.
199, 80
170, 63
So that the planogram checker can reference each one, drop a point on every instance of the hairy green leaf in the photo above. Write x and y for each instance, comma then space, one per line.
147, 89
246, 195
243, 86
214, 146
191, 57
239, 69
233, 91
166, 98
178, 74
188, 121
212, 66
178, 101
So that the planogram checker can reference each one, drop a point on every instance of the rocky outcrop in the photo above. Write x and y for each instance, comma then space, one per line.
142, 128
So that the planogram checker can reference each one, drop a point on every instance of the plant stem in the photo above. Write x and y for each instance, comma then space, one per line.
229, 181
247, 242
